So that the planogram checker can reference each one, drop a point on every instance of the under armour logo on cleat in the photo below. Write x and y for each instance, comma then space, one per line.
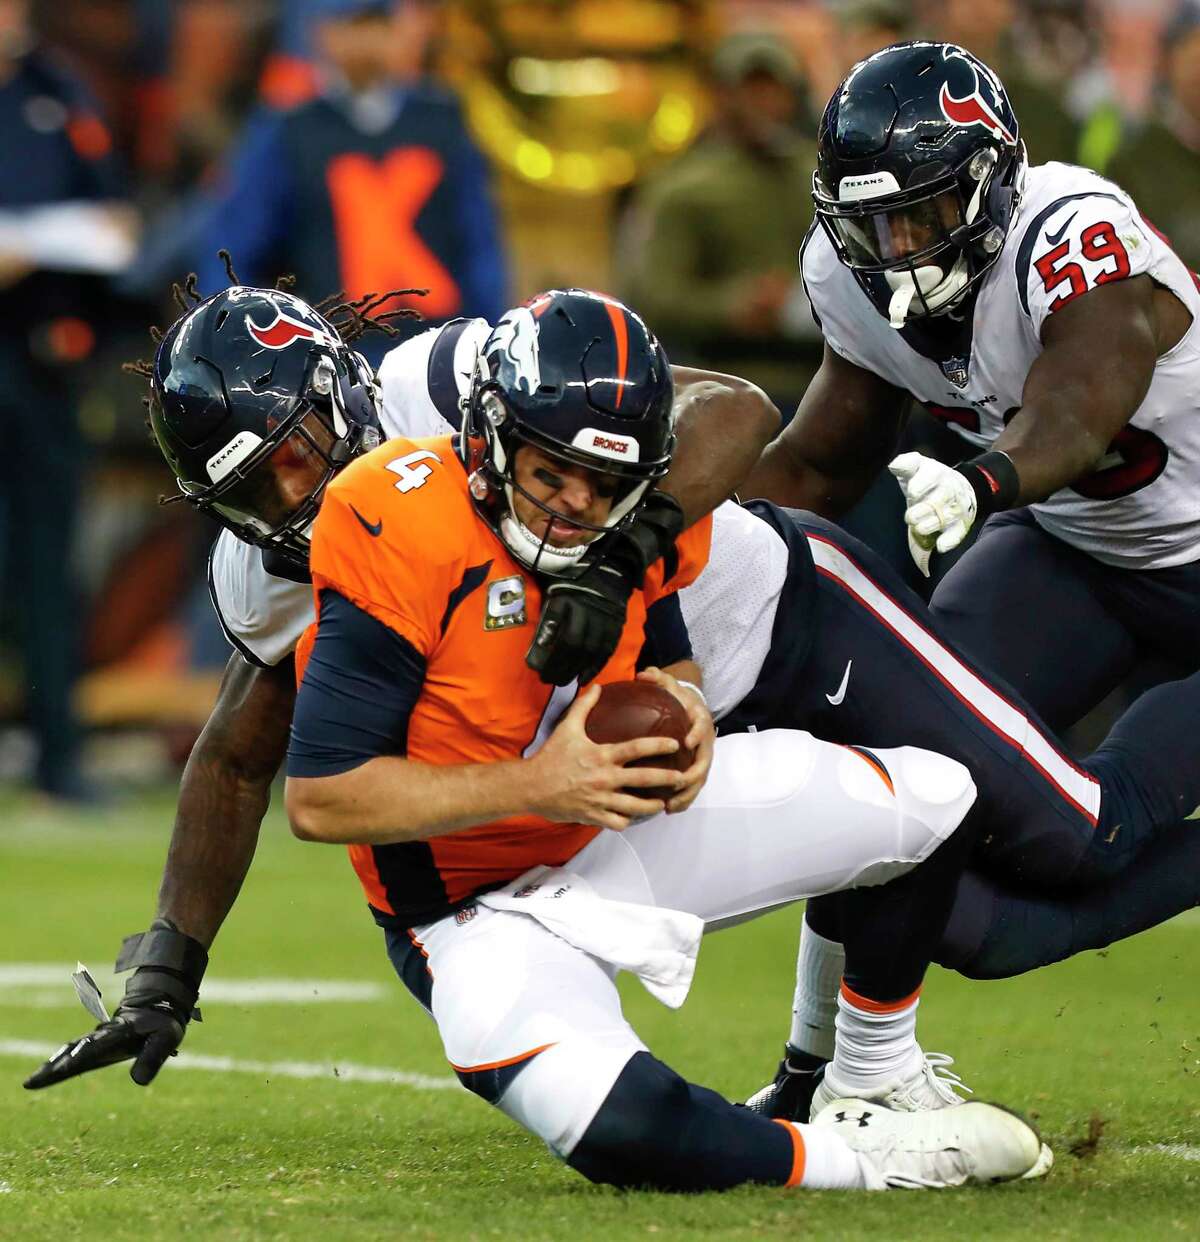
861, 1118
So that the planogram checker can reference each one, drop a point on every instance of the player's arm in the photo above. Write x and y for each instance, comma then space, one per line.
350, 782
1079, 392
723, 424
1103, 323
844, 431
223, 797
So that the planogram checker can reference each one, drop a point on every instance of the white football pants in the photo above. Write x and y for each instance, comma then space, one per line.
783, 816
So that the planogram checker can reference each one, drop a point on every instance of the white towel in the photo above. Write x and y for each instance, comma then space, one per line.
657, 945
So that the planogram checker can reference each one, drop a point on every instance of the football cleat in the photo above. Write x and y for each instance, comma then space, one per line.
975, 1143
929, 1087
789, 1096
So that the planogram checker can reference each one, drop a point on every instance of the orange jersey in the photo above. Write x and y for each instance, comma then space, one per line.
399, 536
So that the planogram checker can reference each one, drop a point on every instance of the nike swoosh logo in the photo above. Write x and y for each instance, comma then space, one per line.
840, 693
375, 531
1055, 238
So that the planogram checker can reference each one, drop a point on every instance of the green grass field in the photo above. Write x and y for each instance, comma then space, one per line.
232, 1142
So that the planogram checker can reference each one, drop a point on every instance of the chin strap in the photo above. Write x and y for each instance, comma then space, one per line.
898, 306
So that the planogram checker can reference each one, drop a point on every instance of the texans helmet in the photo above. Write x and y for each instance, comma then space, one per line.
920, 168
256, 402
580, 376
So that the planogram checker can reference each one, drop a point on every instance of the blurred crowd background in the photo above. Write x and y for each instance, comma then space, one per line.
481, 149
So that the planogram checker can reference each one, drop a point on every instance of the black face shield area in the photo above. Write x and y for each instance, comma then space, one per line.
272, 498
874, 236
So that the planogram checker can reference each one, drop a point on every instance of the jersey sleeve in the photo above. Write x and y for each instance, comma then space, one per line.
691, 555
262, 615
375, 539
835, 299
1076, 244
422, 379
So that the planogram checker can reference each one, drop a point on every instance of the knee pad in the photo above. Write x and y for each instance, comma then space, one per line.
933, 795
657, 1130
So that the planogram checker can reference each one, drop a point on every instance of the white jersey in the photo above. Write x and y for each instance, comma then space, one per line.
729, 610
1140, 509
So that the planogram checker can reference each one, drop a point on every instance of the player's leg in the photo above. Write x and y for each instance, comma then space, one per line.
878, 671
1018, 603
995, 932
534, 1026
799, 789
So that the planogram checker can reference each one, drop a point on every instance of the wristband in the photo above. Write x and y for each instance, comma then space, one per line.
691, 685
993, 479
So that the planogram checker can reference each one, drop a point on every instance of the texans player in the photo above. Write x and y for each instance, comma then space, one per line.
1052, 327
1036, 312
428, 557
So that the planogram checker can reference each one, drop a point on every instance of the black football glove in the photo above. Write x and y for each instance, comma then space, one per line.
583, 615
149, 1023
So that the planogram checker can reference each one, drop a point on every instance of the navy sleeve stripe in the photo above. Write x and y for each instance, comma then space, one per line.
439, 374
667, 639
472, 581
1030, 237
359, 689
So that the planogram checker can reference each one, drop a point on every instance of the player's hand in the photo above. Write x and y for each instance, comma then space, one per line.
941, 505
573, 780
148, 1026
700, 738
584, 615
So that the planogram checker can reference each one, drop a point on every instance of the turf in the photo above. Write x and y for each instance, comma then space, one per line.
1107, 1045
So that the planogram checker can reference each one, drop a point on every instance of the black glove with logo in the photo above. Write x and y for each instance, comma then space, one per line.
150, 1021
583, 615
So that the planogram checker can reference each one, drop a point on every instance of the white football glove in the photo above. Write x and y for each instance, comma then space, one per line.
941, 505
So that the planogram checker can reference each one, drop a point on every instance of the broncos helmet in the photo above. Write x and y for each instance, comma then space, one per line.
581, 377
256, 403
920, 168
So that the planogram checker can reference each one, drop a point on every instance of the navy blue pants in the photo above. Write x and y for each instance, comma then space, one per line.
858, 658
1060, 626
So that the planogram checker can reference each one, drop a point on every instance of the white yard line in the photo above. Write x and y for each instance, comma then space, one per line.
340, 1071
47, 985
1177, 1151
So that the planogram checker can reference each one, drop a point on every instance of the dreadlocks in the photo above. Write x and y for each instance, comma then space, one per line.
349, 319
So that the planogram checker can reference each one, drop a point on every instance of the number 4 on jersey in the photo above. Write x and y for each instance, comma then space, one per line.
411, 474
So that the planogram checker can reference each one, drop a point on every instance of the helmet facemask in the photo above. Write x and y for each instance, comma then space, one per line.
495, 487
923, 247
267, 490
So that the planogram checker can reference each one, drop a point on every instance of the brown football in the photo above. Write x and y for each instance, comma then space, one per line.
629, 709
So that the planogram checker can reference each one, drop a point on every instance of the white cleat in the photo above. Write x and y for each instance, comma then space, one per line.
929, 1086
976, 1143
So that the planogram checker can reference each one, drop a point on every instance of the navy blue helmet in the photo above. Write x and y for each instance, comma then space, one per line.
256, 402
580, 376
920, 167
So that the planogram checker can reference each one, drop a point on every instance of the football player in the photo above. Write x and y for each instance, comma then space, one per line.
1036, 312
420, 548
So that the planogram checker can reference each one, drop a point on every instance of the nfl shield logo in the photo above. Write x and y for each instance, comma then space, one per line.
955, 370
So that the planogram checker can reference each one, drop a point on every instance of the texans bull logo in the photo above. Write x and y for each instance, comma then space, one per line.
283, 330
973, 109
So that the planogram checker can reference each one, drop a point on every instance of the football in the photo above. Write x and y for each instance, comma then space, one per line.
629, 709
